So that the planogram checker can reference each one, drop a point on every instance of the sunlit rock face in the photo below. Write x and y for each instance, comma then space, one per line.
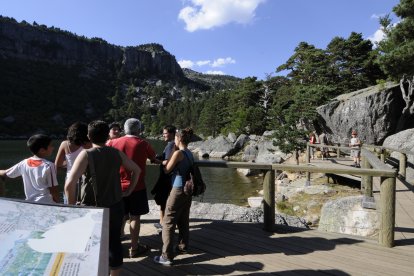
374, 112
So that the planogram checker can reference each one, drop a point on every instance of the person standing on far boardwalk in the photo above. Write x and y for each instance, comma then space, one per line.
136, 204
101, 185
355, 145
323, 140
312, 140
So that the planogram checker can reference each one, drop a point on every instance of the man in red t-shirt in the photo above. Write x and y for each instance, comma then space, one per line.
135, 204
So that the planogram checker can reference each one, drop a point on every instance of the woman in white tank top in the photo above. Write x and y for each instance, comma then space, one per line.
77, 140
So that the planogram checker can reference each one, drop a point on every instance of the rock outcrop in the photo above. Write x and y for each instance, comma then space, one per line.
347, 216
39, 43
229, 212
252, 148
403, 140
374, 112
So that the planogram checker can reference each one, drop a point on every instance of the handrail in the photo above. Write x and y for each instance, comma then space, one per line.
372, 164
391, 149
374, 169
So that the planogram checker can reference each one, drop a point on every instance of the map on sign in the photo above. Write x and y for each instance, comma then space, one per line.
41, 239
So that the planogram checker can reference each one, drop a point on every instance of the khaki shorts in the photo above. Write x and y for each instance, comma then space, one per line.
355, 153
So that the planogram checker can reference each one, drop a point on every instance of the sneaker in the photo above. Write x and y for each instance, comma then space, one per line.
358, 166
162, 260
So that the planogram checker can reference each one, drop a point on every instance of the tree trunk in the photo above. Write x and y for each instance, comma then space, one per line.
408, 97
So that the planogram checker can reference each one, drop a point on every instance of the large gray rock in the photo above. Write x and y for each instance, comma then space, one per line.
403, 140
213, 147
347, 216
268, 153
374, 112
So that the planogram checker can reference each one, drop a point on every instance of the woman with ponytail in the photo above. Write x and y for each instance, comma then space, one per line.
177, 211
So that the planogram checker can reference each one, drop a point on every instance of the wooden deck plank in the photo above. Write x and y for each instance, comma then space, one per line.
233, 248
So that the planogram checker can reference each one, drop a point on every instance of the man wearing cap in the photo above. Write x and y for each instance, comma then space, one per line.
355, 145
135, 204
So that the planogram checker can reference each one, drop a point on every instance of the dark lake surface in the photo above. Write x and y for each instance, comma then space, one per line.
223, 185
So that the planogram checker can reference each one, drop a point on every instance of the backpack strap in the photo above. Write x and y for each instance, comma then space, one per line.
189, 159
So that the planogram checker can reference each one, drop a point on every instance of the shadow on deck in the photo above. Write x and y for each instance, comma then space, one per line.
230, 248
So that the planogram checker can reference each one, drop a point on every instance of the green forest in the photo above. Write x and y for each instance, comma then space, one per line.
52, 97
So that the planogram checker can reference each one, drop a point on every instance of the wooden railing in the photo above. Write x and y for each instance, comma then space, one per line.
372, 167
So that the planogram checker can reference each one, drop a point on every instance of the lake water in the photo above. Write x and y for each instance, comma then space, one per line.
223, 185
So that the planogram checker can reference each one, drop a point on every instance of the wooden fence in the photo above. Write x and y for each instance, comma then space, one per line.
372, 166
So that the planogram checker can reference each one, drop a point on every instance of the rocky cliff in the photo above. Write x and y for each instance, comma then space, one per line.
42, 44
374, 112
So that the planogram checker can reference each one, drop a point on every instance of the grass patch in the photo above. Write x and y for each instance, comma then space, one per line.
309, 206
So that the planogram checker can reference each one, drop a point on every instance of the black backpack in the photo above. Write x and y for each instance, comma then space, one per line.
194, 184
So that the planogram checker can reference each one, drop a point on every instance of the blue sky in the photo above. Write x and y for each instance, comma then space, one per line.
241, 38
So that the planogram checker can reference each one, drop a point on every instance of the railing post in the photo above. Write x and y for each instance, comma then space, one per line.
308, 155
269, 200
382, 155
338, 151
402, 171
387, 193
366, 180
368, 201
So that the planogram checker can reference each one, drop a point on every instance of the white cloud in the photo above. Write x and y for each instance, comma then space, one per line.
207, 14
377, 16
377, 36
211, 72
220, 62
185, 63
203, 62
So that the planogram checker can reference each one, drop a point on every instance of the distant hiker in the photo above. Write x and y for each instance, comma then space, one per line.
355, 145
177, 212
136, 204
77, 140
114, 130
323, 140
312, 141
163, 186
101, 185
39, 175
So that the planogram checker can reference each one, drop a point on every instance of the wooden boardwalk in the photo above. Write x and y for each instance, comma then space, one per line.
230, 248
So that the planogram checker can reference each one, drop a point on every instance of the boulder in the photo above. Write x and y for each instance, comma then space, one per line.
346, 216
214, 147
403, 140
374, 112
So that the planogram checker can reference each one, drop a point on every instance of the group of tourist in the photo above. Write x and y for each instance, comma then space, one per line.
355, 145
105, 169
